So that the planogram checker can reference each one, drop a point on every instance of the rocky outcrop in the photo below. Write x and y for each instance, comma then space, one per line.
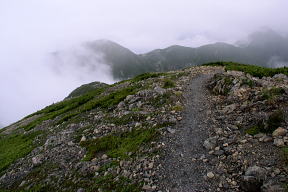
251, 129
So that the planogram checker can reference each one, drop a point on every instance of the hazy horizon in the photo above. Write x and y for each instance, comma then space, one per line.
33, 30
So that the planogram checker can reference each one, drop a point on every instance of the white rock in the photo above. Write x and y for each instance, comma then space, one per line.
210, 175
137, 124
83, 139
279, 142
150, 165
104, 156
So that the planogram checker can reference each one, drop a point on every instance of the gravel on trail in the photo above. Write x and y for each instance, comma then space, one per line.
185, 166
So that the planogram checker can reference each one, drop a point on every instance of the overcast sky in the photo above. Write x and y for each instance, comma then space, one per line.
30, 30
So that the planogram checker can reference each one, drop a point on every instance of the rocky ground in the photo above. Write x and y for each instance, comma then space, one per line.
199, 129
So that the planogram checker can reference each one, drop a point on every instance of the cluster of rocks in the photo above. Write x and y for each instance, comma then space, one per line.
248, 162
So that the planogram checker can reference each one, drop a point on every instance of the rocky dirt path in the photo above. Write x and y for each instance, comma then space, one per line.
185, 166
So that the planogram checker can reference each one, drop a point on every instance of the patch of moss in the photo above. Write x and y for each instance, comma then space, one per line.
227, 85
285, 154
273, 122
177, 108
126, 119
79, 133
161, 100
15, 146
86, 88
146, 76
118, 144
168, 83
111, 164
255, 129
247, 82
38, 174
253, 70
178, 93
178, 75
123, 184
270, 94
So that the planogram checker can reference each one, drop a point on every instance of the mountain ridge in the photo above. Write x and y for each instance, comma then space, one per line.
264, 48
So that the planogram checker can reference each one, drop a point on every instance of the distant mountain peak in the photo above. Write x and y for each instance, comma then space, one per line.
104, 44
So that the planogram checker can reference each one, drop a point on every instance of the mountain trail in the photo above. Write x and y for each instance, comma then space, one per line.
181, 170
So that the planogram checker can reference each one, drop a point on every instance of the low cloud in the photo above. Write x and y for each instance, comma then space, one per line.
276, 62
82, 64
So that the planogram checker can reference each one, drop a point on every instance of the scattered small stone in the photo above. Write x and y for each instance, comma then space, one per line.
225, 145
259, 135
205, 160
138, 124
104, 156
179, 118
95, 168
210, 175
170, 130
267, 139
151, 165
80, 190
210, 143
280, 131
147, 187
279, 142
219, 152
22, 183
37, 159
83, 139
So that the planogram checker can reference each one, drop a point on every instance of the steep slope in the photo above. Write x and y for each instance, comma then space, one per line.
135, 135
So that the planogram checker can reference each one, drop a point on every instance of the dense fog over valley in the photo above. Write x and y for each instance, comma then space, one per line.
49, 48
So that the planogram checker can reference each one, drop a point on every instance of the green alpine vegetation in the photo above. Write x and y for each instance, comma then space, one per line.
253, 70
15, 146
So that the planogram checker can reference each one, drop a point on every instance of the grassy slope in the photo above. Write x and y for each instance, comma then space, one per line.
17, 144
